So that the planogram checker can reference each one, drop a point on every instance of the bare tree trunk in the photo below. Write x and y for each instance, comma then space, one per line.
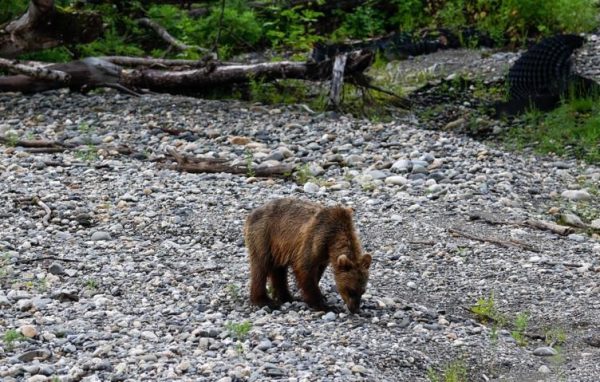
43, 26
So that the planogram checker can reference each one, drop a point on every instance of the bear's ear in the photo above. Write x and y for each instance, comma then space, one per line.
350, 210
343, 262
366, 261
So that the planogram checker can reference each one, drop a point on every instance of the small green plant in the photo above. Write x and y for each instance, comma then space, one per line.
555, 336
85, 128
4, 260
11, 139
485, 308
368, 186
519, 328
89, 154
455, 371
233, 291
486, 311
239, 347
10, 337
239, 330
91, 284
249, 158
303, 174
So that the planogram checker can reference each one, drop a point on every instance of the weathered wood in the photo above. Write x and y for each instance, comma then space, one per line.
213, 165
38, 72
337, 80
162, 62
94, 72
43, 26
493, 240
533, 223
83, 75
549, 226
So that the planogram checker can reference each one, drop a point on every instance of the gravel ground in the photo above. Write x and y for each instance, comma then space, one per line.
140, 271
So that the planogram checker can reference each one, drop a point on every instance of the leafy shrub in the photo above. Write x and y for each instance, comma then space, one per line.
240, 28
9, 9
365, 21
292, 28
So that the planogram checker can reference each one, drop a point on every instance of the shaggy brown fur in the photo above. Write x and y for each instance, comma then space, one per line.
307, 237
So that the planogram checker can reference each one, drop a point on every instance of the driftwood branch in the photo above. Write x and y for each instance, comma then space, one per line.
43, 26
45, 207
38, 72
27, 261
213, 165
162, 32
209, 59
533, 223
493, 240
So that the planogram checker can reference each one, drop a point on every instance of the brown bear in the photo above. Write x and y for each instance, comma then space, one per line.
307, 237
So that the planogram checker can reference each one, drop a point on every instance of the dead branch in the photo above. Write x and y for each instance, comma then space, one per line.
44, 26
209, 269
44, 150
162, 32
34, 71
47, 209
163, 62
539, 224
214, 165
29, 143
27, 261
504, 243
556, 228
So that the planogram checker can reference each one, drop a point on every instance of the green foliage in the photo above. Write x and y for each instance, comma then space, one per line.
455, 371
303, 174
240, 27
112, 43
58, 54
249, 158
91, 284
292, 28
517, 20
10, 9
486, 311
239, 330
519, 328
233, 291
555, 336
10, 337
365, 21
409, 15
571, 129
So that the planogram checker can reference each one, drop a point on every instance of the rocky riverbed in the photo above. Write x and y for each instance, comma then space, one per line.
139, 272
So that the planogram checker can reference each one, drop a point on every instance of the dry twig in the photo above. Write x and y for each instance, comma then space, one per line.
504, 243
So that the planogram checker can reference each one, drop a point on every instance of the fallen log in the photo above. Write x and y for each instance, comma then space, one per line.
95, 72
214, 165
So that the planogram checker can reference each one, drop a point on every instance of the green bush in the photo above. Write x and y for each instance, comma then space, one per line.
292, 28
365, 21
